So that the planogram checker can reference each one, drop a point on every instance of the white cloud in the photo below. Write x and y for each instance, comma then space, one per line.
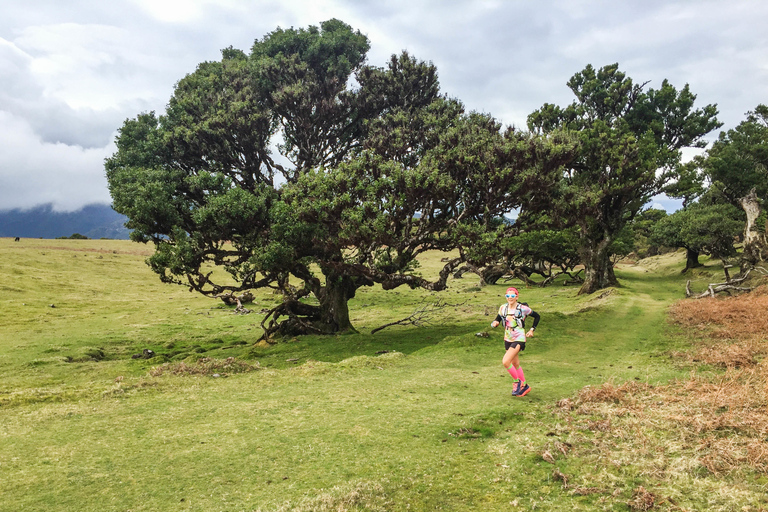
92, 66
185, 11
34, 172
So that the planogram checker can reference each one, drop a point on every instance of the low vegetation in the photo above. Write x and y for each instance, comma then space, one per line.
704, 435
641, 400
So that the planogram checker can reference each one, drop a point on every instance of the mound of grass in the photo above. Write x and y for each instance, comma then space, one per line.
85, 354
205, 366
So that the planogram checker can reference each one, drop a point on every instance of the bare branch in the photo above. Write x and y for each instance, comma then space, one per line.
421, 316
715, 288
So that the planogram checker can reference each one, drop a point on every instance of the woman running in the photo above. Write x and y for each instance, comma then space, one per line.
513, 314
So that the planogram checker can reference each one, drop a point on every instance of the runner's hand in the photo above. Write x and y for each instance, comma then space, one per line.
530, 333
494, 324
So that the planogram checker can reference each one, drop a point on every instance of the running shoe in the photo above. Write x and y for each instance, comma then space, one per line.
516, 388
524, 391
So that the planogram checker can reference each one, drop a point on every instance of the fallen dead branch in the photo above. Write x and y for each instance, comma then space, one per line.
715, 288
422, 316
230, 299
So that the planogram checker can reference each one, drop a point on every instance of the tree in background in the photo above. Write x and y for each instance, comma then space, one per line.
375, 167
630, 141
737, 167
700, 228
523, 254
641, 226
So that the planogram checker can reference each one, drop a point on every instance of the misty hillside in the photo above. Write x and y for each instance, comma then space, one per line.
93, 221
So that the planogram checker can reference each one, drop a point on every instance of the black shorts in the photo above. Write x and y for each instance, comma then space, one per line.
510, 344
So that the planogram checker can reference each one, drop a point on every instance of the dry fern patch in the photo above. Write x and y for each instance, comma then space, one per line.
728, 317
693, 443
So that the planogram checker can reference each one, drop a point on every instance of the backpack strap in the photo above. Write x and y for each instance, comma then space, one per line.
519, 313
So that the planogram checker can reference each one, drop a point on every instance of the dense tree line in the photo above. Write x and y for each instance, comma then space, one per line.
300, 167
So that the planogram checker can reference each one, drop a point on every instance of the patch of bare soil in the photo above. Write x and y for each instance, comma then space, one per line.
205, 366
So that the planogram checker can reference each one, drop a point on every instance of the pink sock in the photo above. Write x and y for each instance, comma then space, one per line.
520, 375
513, 372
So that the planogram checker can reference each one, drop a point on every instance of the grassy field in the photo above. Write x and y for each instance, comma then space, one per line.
408, 418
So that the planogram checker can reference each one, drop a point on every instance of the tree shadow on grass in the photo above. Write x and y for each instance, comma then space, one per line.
406, 340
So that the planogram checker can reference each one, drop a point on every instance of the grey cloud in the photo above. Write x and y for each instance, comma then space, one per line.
497, 56
86, 128
35, 172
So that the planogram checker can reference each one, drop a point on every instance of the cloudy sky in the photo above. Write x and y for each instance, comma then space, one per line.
71, 72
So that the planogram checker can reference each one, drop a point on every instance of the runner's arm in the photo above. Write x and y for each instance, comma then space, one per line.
536, 317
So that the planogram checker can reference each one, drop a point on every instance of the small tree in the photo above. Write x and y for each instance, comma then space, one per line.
700, 229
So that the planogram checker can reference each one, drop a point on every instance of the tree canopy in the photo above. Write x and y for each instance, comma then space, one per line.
630, 140
301, 168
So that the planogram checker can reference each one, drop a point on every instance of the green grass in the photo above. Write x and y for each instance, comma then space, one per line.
405, 419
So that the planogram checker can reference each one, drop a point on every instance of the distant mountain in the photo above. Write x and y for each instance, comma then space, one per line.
93, 221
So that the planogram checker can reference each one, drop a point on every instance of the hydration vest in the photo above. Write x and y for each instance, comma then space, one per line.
517, 314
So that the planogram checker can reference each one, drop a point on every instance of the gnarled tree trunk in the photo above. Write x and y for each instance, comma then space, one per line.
598, 268
334, 304
691, 260
755, 244
331, 316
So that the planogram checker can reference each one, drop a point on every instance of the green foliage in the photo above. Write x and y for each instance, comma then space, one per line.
738, 160
545, 252
301, 76
630, 141
641, 227
556, 247
701, 228
376, 174
623, 244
